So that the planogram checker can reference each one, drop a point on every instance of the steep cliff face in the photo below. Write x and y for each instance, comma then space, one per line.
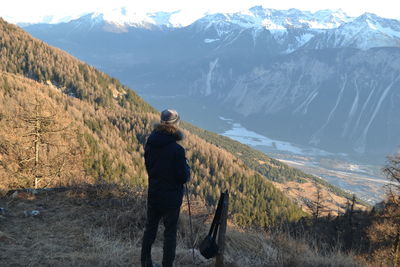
337, 99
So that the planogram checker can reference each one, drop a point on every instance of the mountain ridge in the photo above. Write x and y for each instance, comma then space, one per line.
257, 18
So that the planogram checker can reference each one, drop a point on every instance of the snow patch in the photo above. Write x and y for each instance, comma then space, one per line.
300, 41
225, 119
207, 41
212, 65
272, 26
303, 108
385, 30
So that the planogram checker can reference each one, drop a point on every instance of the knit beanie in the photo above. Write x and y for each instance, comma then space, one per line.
169, 116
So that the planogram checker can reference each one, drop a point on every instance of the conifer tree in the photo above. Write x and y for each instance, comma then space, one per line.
40, 149
392, 171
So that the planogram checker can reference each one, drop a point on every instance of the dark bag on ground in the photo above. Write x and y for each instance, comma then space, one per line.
208, 247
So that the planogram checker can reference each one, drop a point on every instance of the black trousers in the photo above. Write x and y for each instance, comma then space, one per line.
170, 218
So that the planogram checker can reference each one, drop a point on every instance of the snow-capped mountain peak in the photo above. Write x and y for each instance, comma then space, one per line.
294, 28
367, 31
125, 17
272, 19
290, 29
163, 18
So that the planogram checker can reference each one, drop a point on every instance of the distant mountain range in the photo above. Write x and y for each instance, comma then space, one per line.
323, 79
336, 27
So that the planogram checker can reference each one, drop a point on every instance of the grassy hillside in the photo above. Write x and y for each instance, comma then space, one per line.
103, 225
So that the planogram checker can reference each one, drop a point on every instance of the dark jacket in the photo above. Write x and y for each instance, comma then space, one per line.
166, 166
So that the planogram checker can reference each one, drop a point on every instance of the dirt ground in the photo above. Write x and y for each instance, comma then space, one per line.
81, 227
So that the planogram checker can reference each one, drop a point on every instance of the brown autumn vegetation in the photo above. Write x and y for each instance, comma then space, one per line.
37, 150
320, 200
385, 229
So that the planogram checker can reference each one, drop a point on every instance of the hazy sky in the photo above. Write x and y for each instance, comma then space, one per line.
29, 10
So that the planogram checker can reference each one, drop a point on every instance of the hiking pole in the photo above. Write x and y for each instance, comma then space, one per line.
190, 223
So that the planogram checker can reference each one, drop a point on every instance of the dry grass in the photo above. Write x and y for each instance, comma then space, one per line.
103, 225
305, 192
